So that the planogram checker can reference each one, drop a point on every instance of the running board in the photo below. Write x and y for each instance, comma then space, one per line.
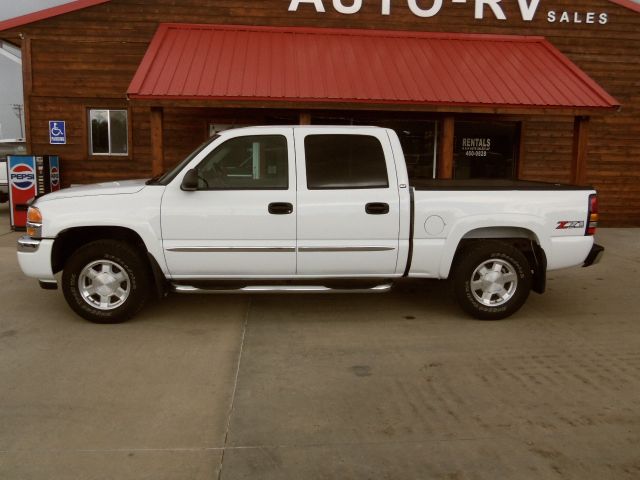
279, 289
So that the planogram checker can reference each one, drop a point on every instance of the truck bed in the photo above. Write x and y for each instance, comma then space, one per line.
491, 184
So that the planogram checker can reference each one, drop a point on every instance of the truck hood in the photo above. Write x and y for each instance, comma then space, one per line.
126, 187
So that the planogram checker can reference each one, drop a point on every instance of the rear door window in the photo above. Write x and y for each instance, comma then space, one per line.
339, 161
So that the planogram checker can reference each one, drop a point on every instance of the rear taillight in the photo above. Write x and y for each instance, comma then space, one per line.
592, 221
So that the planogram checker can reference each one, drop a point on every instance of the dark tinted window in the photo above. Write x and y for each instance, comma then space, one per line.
254, 162
486, 149
345, 161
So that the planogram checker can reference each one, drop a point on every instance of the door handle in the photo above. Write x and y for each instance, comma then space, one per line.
377, 208
280, 208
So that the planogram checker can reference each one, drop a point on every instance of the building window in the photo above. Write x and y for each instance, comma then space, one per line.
418, 137
419, 140
109, 133
487, 149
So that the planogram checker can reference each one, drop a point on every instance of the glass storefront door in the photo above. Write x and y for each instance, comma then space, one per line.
486, 149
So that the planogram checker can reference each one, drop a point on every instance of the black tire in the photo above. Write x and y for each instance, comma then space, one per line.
491, 279
121, 268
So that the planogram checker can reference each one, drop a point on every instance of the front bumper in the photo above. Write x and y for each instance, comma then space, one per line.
27, 244
34, 258
595, 255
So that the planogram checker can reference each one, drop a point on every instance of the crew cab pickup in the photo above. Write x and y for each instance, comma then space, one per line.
303, 209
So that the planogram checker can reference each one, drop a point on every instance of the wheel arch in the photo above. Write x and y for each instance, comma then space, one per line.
500, 233
524, 239
69, 240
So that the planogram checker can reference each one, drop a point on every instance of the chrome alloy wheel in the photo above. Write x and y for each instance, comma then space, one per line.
494, 282
104, 285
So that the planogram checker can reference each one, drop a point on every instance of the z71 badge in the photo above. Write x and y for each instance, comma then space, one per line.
566, 225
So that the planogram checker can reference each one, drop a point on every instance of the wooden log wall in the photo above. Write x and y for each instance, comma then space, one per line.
87, 59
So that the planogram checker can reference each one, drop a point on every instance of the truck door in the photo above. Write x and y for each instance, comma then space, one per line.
348, 203
241, 222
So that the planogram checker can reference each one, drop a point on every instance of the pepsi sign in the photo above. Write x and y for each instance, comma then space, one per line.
23, 186
22, 177
52, 174
55, 177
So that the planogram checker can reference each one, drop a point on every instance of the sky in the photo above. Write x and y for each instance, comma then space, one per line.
11, 9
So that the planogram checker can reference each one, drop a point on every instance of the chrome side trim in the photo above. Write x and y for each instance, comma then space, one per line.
27, 244
277, 249
231, 249
281, 289
345, 249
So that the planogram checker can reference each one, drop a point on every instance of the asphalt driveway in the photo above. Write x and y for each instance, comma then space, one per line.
309, 387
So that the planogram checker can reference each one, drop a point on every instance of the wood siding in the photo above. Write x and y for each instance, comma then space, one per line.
86, 59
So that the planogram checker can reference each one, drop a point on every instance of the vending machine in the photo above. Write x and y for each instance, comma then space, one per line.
30, 177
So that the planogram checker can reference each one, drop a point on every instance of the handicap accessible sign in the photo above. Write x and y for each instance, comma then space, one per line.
57, 133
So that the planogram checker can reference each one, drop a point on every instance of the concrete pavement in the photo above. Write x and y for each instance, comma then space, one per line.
352, 386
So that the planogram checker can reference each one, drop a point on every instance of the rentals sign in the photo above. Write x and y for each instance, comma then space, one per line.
482, 8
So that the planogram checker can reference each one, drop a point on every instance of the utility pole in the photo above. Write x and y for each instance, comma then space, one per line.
18, 110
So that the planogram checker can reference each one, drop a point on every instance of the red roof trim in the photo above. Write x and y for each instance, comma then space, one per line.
631, 5
589, 82
48, 13
355, 101
149, 57
558, 83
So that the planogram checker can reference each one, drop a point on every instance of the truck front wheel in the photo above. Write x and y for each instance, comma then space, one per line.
105, 282
491, 280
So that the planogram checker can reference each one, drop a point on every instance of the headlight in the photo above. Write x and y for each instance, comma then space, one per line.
34, 222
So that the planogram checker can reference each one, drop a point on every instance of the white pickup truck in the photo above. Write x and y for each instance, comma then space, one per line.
303, 209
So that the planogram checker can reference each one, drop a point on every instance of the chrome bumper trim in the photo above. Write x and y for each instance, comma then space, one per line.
27, 244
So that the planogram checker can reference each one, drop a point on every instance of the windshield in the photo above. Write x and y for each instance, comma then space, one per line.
166, 178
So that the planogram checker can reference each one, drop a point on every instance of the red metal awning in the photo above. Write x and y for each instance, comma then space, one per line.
329, 66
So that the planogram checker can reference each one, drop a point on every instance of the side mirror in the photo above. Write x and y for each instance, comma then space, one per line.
190, 181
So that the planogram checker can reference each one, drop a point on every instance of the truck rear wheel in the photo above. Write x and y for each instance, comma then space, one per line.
105, 282
492, 280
